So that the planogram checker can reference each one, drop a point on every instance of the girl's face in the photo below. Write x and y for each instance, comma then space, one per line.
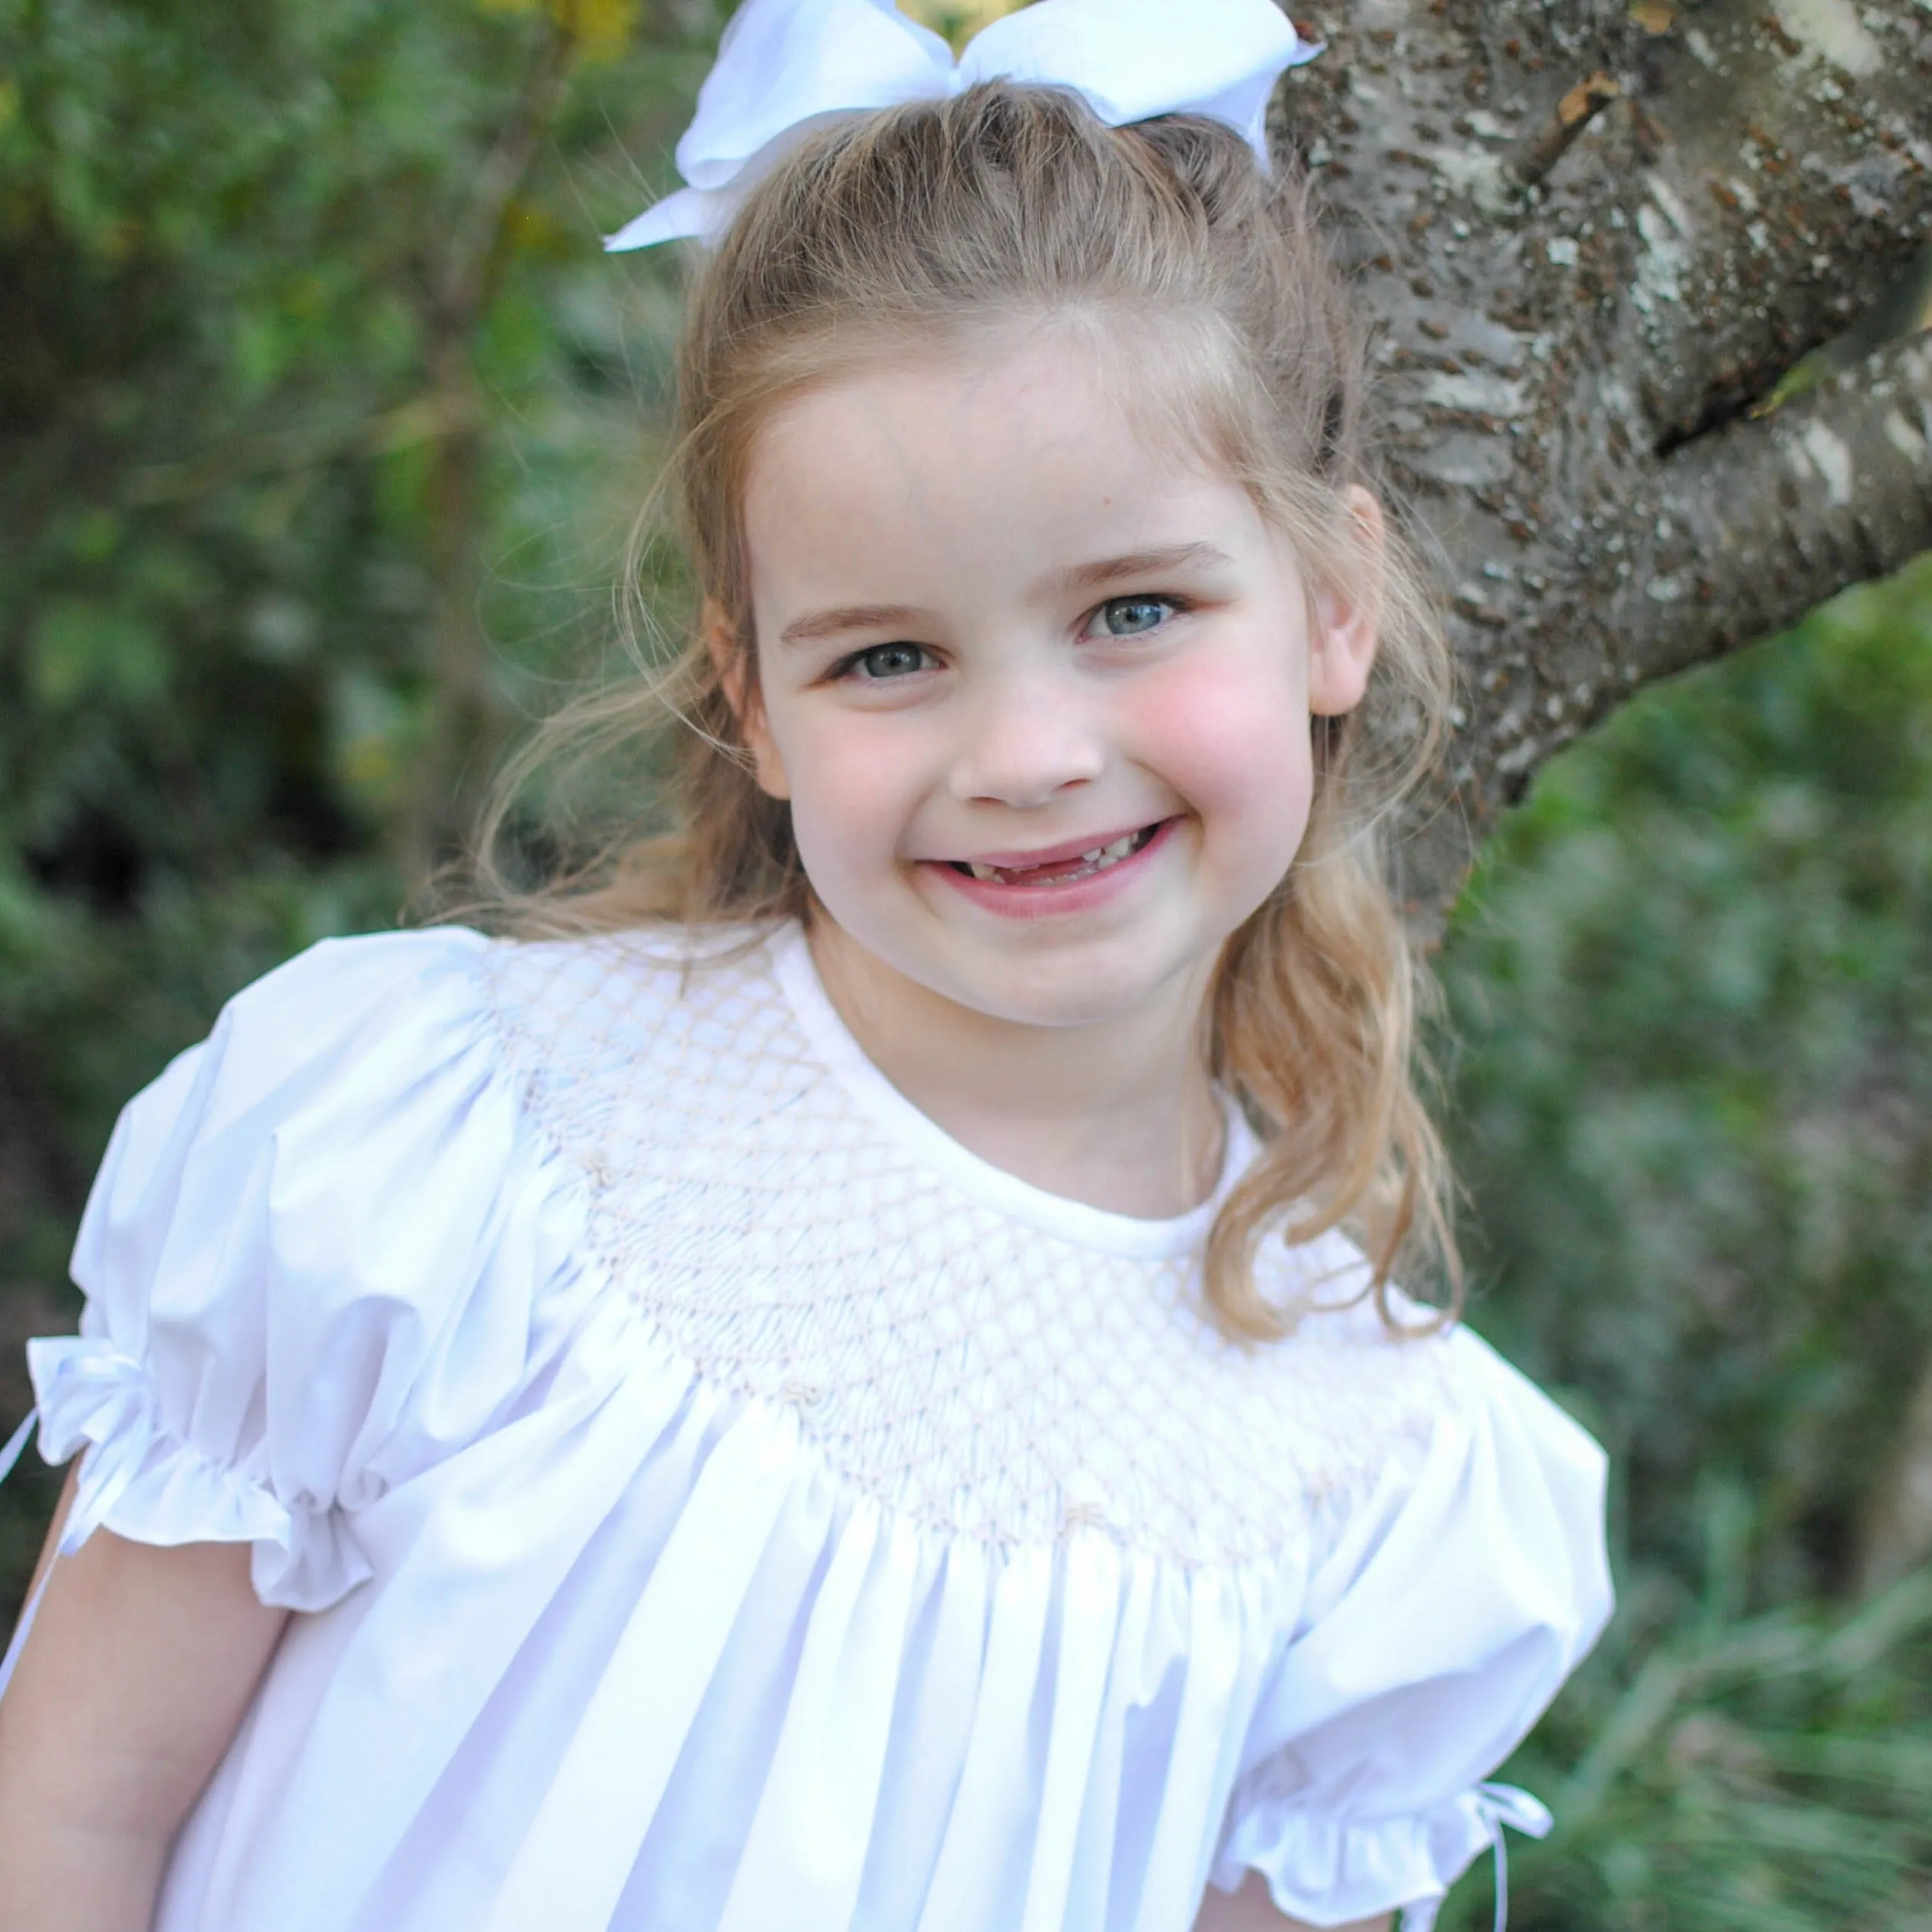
1037, 691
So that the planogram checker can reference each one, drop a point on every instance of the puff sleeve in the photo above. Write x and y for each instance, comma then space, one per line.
1455, 1604
313, 1258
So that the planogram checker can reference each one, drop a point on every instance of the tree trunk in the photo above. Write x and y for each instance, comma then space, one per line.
1594, 241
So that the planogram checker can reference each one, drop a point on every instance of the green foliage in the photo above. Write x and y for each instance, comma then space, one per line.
1693, 988
1770, 1774
280, 375
322, 416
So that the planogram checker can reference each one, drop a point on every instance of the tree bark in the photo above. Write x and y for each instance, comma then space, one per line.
1593, 242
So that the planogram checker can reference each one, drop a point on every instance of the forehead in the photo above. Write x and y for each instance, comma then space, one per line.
1008, 449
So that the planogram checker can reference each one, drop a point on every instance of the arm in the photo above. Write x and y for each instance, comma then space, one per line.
139, 1668
1251, 1910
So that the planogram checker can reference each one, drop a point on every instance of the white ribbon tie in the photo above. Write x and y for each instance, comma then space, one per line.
1506, 1804
107, 1409
1496, 1805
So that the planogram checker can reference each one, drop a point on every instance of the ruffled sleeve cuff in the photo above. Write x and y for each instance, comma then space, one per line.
1325, 1871
143, 1483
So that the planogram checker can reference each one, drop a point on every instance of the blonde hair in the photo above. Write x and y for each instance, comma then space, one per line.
927, 228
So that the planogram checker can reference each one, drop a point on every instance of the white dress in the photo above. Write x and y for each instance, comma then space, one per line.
718, 1500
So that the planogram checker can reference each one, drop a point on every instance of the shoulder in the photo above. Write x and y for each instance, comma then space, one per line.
1371, 1365
644, 977
354, 1121
397, 1004
324, 1251
325, 1013
444, 1046
1404, 1409
620, 1041
345, 1064
1327, 1288
338, 1000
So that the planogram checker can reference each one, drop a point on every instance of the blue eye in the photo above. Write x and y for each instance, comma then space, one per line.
885, 661
1134, 617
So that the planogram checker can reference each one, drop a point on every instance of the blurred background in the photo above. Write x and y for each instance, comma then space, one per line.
323, 422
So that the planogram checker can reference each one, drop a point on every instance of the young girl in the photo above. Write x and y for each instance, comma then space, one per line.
857, 1383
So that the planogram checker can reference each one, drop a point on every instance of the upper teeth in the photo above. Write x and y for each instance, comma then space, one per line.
1102, 856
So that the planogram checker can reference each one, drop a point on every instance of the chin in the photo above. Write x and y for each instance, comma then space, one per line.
1070, 991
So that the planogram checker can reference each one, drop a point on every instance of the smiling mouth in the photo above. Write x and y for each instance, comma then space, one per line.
1060, 872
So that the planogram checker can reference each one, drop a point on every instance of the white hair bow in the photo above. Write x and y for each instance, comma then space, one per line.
786, 65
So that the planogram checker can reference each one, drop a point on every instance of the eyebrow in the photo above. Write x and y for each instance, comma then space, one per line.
850, 617
844, 617
1137, 563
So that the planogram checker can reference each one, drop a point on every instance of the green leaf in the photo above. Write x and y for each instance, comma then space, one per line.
85, 648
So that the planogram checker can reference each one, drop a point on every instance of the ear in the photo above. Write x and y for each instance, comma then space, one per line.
1346, 626
747, 703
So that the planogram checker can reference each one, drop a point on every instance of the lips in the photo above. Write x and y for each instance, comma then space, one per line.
1063, 866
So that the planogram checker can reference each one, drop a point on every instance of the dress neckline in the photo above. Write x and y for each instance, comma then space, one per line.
1076, 1221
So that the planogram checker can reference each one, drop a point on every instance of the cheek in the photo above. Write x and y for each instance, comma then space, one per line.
1236, 749
852, 792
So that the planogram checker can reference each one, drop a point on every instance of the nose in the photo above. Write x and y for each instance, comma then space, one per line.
1024, 740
